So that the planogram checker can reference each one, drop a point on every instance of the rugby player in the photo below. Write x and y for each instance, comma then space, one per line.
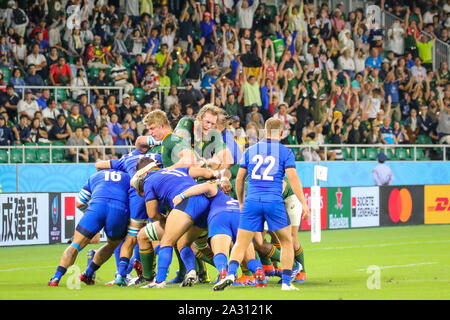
223, 222
138, 213
162, 185
266, 164
105, 199
202, 137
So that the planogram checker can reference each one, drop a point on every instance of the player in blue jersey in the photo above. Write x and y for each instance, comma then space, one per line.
223, 222
105, 199
138, 213
161, 186
266, 163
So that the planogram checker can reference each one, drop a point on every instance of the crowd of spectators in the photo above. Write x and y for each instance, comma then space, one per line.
331, 77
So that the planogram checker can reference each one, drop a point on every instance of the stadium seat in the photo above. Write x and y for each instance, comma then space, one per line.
359, 154
61, 94
423, 139
371, 154
391, 155
420, 156
30, 155
3, 156
43, 155
347, 155
139, 93
58, 155
16, 155
402, 154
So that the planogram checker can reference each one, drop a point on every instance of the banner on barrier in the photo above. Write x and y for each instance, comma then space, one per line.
365, 207
306, 225
338, 208
24, 218
54, 220
401, 205
437, 204
70, 216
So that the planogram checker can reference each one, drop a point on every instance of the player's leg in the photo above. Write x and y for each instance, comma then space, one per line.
255, 266
220, 245
128, 247
177, 223
267, 252
90, 224
294, 210
287, 257
69, 256
187, 254
202, 256
278, 221
148, 235
100, 257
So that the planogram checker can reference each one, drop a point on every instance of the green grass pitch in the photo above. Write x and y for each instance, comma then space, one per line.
413, 263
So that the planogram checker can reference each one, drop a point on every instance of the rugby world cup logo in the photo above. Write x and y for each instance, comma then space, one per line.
55, 211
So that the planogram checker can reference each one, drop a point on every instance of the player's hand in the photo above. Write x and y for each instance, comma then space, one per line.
213, 163
225, 185
177, 200
306, 211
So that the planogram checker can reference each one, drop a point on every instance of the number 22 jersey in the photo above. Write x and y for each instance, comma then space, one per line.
266, 163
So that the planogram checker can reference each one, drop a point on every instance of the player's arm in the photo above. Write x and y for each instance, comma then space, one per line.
152, 210
221, 160
143, 143
102, 165
297, 188
187, 158
83, 198
208, 189
240, 180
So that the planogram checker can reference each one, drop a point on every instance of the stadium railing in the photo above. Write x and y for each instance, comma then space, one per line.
48, 153
62, 95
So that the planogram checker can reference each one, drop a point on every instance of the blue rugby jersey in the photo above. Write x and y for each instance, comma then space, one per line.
108, 184
266, 162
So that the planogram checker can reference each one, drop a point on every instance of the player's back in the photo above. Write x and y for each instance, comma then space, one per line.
164, 185
108, 184
223, 203
266, 162
128, 162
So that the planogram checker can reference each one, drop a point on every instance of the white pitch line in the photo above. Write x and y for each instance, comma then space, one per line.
25, 268
401, 266
379, 245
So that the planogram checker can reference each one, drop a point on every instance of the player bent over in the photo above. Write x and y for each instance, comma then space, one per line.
138, 213
162, 185
266, 164
223, 222
105, 195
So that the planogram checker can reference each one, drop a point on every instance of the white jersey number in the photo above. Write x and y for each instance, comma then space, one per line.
259, 159
113, 176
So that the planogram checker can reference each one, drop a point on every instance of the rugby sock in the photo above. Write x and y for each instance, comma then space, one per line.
300, 258
253, 265
265, 260
92, 267
136, 253
233, 267
147, 259
246, 272
286, 277
164, 261
60, 271
200, 266
117, 254
181, 267
276, 264
201, 256
274, 254
188, 257
157, 249
123, 266
220, 262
